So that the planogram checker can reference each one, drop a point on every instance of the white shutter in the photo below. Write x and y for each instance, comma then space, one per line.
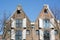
12, 34
24, 34
41, 35
52, 37
40, 23
24, 22
52, 23
13, 22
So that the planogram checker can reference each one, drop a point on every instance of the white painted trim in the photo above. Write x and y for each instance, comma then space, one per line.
24, 23
13, 34
40, 23
32, 22
52, 23
41, 35
24, 34
52, 35
13, 23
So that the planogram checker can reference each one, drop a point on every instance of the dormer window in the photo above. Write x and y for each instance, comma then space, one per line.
18, 11
45, 10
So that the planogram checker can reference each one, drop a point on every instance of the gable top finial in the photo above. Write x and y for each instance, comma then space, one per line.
19, 7
46, 5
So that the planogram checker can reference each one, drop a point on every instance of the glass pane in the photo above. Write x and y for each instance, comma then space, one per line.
28, 32
9, 31
46, 35
56, 32
18, 35
32, 26
37, 32
18, 22
46, 23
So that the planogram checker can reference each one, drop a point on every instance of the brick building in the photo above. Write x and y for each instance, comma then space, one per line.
19, 27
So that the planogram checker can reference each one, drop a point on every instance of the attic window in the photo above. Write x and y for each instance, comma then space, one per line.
18, 11
46, 11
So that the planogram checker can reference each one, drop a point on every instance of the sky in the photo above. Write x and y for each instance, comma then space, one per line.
32, 8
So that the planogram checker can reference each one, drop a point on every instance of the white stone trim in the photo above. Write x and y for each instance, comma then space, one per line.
40, 23
52, 23
52, 35
13, 24
24, 34
41, 35
24, 23
13, 34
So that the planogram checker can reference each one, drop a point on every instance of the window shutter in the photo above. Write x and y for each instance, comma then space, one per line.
52, 37
40, 23
12, 34
41, 35
13, 22
52, 23
24, 34
24, 22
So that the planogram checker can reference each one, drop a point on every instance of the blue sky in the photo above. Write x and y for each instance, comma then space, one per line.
32, 8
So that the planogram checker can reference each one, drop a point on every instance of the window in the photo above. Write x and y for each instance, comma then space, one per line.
32, 26
18, 35
28, 32
46, 35
18, 11
19, 23
56, 32
46, 23
9, 31
37, 32
45, 10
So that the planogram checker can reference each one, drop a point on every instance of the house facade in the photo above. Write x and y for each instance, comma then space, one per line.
19, 27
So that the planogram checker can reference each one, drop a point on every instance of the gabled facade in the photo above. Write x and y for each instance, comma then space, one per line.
19, 27
47, 25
